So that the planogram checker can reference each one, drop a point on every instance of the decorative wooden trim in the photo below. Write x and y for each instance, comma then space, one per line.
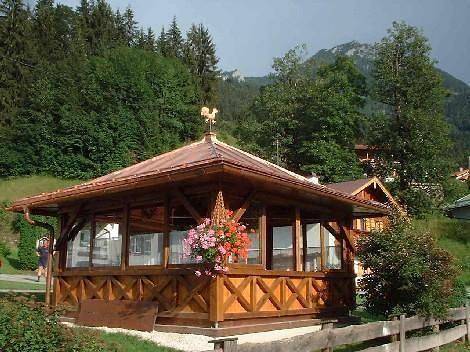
246, 203
194, 213
72, 217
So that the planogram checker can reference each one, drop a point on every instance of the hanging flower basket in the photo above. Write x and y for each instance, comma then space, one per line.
211, 244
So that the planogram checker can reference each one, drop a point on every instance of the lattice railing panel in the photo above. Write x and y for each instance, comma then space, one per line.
257, 294
183, 293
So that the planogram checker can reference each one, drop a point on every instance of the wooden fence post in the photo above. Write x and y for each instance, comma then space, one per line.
327, 326
394, 338
228, 344
467, 318
402, 333
435, 330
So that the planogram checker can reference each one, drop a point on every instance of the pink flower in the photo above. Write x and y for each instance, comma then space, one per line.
199, 258
222, 250
198, 273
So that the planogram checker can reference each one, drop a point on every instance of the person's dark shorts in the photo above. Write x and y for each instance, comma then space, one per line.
43, 262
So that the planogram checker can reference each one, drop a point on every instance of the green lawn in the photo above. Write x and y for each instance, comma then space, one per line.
117, 342
11, 285
10, 265
455, 347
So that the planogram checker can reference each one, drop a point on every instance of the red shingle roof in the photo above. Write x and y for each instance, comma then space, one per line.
209, 151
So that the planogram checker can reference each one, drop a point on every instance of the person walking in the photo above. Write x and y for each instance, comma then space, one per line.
43, 254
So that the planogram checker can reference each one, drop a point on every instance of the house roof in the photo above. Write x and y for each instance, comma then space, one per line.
351, 187
460, 203
199, 155
356, 186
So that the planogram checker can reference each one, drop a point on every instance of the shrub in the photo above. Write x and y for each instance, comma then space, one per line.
29, 234
408, 273
27, 327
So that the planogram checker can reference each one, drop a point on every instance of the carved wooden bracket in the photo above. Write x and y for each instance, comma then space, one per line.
194, 213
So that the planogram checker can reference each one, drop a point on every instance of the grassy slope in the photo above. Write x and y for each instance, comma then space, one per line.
454, 236
16, 188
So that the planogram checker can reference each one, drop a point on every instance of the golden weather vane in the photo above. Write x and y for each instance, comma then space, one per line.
210, 116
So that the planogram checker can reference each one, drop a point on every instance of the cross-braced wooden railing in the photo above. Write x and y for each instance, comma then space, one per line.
227, 297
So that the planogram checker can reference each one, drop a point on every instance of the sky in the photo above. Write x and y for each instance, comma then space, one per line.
249, 33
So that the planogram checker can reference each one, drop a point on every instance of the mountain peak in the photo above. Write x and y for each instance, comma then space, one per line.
353, 48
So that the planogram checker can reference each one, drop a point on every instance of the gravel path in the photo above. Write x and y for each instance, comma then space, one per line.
192, 342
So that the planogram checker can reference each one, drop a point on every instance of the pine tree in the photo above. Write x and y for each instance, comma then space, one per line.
15, 53
102, 27
161, 45
141, 40
130, 27
174, 41
413, 137
200, 57
150, 40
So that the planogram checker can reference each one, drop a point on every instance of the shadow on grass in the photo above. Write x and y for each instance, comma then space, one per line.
14, 263
36, 297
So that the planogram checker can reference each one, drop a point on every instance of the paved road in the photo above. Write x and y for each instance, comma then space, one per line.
29, 279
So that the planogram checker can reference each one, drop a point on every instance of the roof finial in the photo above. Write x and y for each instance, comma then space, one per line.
210, 117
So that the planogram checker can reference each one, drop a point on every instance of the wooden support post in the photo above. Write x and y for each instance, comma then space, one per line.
50, 263
216, 302
125, 240
228, 344
263, 235
322, 247
297, 238
166, 233
435, 330
402, 333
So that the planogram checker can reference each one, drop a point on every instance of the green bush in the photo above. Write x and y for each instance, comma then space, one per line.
25, 326
29, 234
409, 273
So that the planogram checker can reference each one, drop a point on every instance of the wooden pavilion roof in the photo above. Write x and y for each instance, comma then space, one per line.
197, 158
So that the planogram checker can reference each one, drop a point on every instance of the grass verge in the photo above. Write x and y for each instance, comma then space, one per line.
12, 285
117, 342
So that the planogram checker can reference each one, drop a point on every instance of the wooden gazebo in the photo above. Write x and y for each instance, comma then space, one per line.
121, 239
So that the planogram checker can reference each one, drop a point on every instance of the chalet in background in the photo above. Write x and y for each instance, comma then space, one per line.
121, 240
371, 189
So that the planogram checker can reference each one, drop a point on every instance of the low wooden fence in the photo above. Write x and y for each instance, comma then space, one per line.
329, 338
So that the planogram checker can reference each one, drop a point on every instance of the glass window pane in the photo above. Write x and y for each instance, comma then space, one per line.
283, 255
146, 226
313, 259
333, 250
180, 221
78, 249
108, 240
251, 220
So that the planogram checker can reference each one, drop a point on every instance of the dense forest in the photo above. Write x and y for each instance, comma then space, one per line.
85, 91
